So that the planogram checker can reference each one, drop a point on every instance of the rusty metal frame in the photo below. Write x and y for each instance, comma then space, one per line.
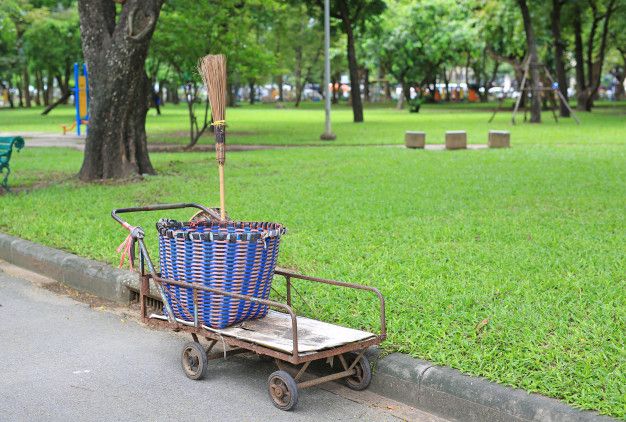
240, 345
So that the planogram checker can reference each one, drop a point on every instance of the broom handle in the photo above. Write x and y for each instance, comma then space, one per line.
220, 149
222, 193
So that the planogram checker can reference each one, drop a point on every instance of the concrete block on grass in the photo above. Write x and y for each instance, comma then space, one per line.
499, 139
414, 139
456, 139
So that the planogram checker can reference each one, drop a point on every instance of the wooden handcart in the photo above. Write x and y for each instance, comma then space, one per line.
294, 342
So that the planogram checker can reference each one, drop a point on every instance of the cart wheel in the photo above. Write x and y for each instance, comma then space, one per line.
363, 376
283, 390
194, 360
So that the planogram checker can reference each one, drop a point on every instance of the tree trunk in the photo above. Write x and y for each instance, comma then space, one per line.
26, 87
65, 96
195, 130
588, 91
446, 83
298, 74
38, 87
355, 88
172, 94
66, 82
406, 91
50, 88
252, 93
190, 95
20, 95
581, 85
115, 50
535, 105
595, 71
620, 93
62, 100
232, 96
559, 51
160, 92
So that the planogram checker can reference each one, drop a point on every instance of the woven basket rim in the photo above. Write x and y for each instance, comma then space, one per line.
189, 230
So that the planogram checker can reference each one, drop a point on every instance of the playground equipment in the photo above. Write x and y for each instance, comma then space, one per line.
81, 99
554, 95
5, 97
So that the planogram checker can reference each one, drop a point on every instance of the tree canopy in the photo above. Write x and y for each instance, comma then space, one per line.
415, 45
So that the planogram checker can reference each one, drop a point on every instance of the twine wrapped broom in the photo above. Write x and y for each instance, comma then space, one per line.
237, 257
212, 68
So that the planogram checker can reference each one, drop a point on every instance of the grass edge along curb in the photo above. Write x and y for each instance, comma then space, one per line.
450, 394
440, 390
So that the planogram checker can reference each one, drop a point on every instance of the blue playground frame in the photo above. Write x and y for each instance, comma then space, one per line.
80, 119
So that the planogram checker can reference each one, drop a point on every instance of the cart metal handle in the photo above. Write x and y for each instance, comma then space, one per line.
288, 274
159, 207
136, 233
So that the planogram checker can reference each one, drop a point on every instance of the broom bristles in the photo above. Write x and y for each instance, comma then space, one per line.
212, 68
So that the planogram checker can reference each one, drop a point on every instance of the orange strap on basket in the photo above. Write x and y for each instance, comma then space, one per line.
126, 247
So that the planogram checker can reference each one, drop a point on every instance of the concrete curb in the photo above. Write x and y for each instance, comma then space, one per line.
439, 390
453, 395
83, 274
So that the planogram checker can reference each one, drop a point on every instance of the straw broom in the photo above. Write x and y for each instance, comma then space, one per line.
212, 68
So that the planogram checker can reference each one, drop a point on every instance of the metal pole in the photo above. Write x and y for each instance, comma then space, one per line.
327, 135
76, 99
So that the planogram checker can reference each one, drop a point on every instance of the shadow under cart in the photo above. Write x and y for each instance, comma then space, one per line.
292, 341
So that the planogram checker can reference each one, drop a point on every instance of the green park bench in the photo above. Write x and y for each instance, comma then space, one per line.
6, 148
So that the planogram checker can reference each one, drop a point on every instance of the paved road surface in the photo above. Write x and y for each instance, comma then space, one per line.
62, 360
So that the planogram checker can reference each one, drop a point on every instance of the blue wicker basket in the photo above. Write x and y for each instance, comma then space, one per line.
237, 257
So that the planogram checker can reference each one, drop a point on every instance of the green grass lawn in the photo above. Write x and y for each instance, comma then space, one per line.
263, 124
530, 240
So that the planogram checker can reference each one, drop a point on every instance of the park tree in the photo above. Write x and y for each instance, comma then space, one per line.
115, 39
502, 30
53, 59
591, 22
303, 38
371, 48
413, 49
239, 29
531, 42
256, 61
172, 48
353, 14
17, 17
8, 52
559, 51
617, 58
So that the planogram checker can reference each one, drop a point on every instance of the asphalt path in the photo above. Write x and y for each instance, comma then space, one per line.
65, 360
